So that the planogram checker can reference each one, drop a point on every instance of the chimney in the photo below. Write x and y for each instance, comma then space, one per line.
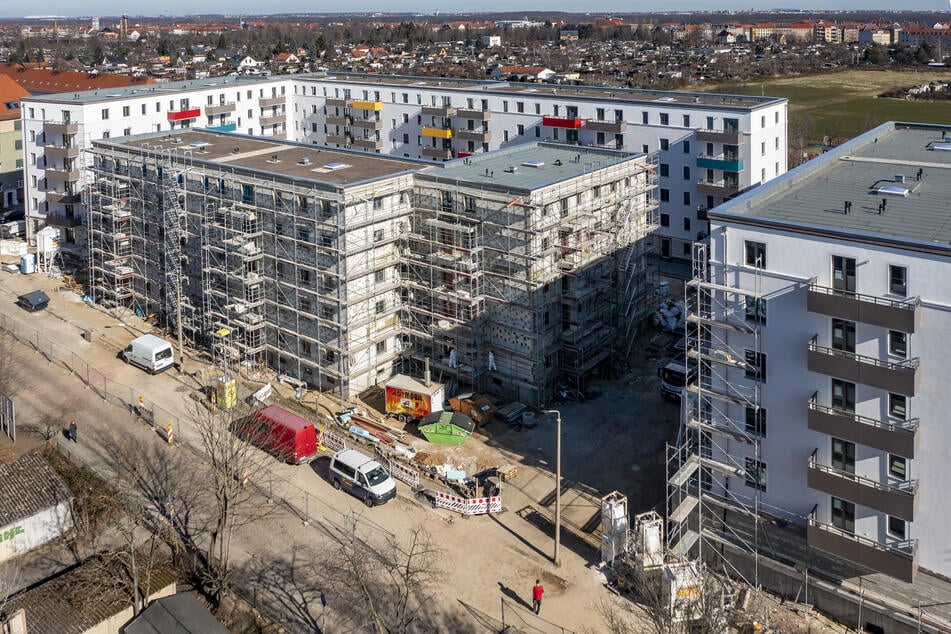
426, 375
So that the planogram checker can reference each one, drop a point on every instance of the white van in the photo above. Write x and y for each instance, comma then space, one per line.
150, 353
361, 476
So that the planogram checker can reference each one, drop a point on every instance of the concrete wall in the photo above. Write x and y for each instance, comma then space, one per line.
27, 534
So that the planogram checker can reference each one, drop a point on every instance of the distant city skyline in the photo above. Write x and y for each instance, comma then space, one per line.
71, 9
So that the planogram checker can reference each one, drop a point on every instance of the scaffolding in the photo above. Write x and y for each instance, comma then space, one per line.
716, 467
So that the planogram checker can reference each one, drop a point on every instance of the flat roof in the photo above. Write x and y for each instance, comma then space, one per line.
528, 166
896, 179
286, 159
631, 95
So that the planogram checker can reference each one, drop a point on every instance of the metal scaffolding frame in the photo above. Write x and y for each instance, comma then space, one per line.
718, 444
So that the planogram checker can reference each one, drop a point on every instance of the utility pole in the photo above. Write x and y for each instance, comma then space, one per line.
178, 319
557, 557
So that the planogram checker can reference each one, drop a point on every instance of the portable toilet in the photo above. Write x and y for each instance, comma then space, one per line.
27, 263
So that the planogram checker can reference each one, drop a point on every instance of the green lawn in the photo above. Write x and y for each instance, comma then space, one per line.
845, 104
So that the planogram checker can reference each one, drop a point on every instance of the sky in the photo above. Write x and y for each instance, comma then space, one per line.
71, 8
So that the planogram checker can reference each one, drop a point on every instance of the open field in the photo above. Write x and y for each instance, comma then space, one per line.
845, 104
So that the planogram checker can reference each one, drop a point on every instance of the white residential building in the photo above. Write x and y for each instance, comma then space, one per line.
819, 333
709, 147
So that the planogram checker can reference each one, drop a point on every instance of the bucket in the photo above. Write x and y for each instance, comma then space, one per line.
27, 263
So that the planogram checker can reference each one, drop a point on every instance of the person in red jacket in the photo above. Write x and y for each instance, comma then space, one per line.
537, 593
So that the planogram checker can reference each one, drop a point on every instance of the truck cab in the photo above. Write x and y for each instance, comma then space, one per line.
675, 376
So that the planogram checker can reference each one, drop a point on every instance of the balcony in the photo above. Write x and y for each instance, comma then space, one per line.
54, 220
367, 144
720, 162
338, 139
61, 152
270, 102
338, 120
902, 377
439, 111
273, 120
898, 438
64, 198
478, 115
442, 154
571, 123
367, 124
182, 115
227, 127
479, 136
898, 500
730, 137
222, 108
439, 133
611, 127
899, 561
368, 105
60, 127
339, 103
901, 315
723, 189
63, 173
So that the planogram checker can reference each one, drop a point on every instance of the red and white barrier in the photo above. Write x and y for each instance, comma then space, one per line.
469, 506
397, 469
332, 441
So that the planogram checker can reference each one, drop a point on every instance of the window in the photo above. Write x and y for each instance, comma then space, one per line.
756, 421
664, 195
762, 121
686, 120
756, 474
105, 113
380, 347
664, 170
687, 198
762, 148
898, 344
898, 280
686, 172
664, 144
520, 129
897, 406
643, 118
505, 135
665, 220
380, 307
843, 335
843, 274
125, 111
686, 147
843, 455
896, 527
379, 276
519, 106
843, 395
686, 224
755, 254
303, 275
756, 365
686, 249
897, 467
664, 118
843, 515
756, 309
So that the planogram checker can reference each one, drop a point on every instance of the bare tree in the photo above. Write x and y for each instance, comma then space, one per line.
392, 581
801, 135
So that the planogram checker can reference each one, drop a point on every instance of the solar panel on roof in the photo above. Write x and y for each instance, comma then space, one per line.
942, 146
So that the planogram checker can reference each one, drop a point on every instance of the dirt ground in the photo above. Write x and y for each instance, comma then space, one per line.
614, 442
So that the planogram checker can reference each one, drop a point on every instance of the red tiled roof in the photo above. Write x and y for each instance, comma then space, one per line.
10, 92
39, 81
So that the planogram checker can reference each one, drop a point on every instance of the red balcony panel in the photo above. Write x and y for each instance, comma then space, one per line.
194, 113
558, 122
463, 154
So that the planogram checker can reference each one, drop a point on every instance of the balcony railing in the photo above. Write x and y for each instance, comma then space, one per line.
54, 220
728, 136
367, 124
60, 127
899, 438
62, 152
899, 500
339, 120
273, 120
896, 314
66, 174
438, 111
437, 153
183, 115
725, 162
571, 123
65, 198
270, 102
219, 109
339, 139
723, 189
367, 144
899, 560
478, 115
479, 136
901, 377
603, 125
333, 102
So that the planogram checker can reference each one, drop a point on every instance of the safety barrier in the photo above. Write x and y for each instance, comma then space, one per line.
468, 506
397, 469
331, 441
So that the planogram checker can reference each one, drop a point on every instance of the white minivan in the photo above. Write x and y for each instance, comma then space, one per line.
152, 354
361, 476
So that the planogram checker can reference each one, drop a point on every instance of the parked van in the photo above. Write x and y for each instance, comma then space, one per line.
150, 353
361, 476
281, 433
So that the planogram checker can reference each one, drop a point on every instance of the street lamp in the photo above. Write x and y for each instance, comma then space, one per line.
557, 558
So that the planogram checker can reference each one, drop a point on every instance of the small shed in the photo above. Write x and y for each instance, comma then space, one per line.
36, 506
33, 301
182, 613
446, 428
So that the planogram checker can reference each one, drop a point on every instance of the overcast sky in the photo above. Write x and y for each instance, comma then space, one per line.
72, 8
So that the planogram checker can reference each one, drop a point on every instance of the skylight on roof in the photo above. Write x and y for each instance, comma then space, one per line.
335, 166
198, 143
894, 190
666, 99
533, 163
942, 146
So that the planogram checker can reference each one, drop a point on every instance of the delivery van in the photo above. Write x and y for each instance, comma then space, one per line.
362, 477
150, 353
281, 433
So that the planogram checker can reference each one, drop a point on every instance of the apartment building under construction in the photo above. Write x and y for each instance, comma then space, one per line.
508, 272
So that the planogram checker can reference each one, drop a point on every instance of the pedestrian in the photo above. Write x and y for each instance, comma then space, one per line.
537, 593
72, 430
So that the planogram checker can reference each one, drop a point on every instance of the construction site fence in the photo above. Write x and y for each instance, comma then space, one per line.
397, 469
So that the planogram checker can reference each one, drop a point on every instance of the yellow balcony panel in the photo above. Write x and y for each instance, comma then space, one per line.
441, 133
368, 105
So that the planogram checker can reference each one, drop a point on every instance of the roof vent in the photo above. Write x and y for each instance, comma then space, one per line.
273, 159
899, 178
511, 169
235, 150
303, 160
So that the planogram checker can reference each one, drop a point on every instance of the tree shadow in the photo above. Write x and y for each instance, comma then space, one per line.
513, 595
287, 587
